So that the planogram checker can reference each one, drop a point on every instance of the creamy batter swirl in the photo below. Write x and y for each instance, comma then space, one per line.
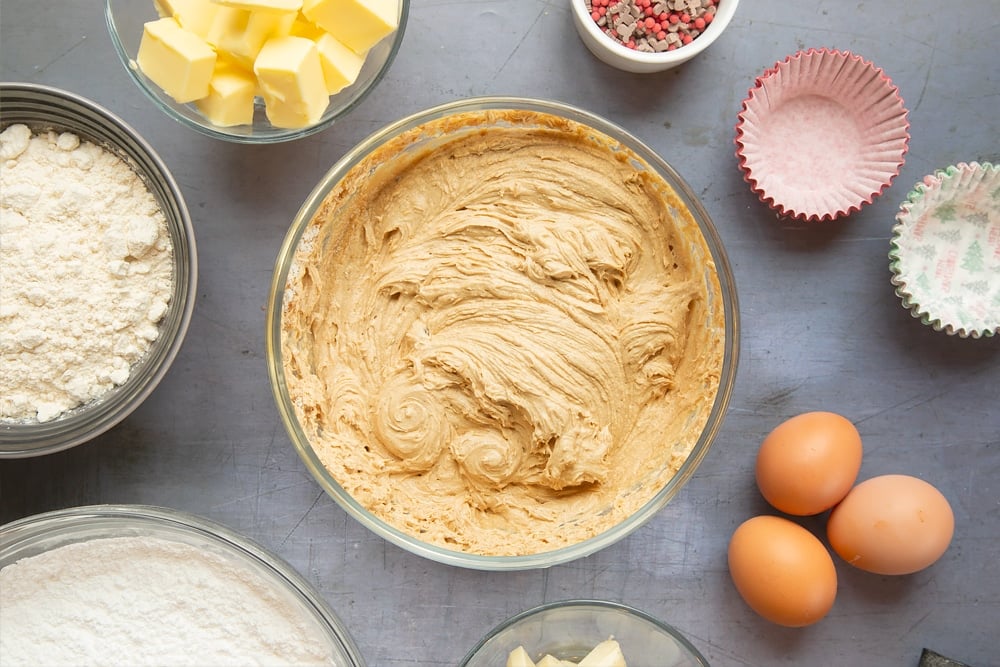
504, 343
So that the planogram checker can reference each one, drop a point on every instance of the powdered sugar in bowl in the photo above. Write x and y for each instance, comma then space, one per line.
136, 585
100, 270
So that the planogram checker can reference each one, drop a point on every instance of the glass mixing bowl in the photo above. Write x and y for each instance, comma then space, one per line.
43, 533
473, 116
46, 108
569, 629
125, 19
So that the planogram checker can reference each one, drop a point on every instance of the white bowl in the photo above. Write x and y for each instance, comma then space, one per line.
612, 53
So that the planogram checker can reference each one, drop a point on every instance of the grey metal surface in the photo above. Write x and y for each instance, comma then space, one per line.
821, 329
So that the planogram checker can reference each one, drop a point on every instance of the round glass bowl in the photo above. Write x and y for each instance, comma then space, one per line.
568, 630
125, 19
44, 108
617, 55
277, 581
407, 142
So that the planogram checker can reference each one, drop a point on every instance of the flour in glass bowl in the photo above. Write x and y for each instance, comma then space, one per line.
85, 272
148, 601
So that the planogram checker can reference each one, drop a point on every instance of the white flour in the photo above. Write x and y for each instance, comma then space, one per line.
85, 272
146, 601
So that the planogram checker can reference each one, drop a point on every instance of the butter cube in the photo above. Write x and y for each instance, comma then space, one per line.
242, 33
263, 5
360, 24
230, 96
291, 80
341, 65
303, 27
198, 16
177, 60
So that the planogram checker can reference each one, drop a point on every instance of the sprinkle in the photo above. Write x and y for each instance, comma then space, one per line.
652, 25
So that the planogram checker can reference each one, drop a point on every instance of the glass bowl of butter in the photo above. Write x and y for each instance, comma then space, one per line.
596, 633
256, 71
502, 333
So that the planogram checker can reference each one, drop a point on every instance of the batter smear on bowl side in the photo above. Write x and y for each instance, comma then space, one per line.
503, 335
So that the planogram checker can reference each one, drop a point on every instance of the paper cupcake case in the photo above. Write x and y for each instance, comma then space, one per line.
945, 250
821, 134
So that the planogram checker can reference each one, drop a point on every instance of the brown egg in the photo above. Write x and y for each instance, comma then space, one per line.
893, 524
782, 571
808, 463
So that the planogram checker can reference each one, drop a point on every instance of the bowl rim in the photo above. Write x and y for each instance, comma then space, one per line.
26, 530
274, 135
21, 439
724, 15
286, 410
586, 603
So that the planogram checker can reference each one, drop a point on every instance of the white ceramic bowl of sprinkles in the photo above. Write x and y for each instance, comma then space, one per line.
100, 270
646, 36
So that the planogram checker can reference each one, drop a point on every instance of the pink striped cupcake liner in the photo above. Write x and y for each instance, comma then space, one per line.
821, 134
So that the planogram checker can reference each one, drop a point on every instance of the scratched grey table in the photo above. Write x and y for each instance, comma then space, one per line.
822, 329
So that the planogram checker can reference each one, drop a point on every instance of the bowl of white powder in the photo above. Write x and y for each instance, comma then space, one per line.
99, 270
136, 585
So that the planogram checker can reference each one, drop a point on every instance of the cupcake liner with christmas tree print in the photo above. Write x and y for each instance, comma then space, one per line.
945, 250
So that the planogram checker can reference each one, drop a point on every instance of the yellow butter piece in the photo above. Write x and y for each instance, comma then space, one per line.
341, 65
198, 16
242, 33
549, 660
239, 64
176, 59
291, 80
303, 27
360, 24
263, 5
230, 96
